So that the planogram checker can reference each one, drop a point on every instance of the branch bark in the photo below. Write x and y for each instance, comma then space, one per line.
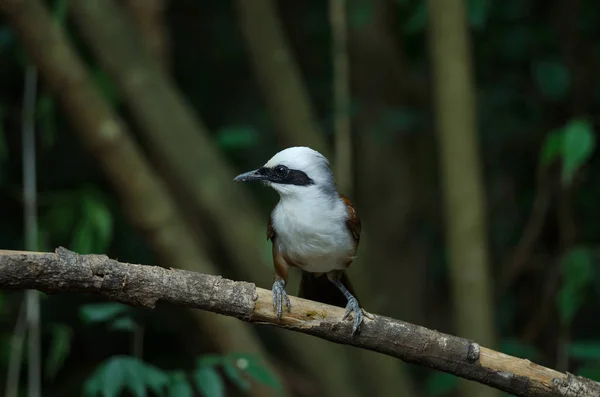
144, 286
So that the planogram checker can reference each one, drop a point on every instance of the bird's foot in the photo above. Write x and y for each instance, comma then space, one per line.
353, 306
279, 296
368, 315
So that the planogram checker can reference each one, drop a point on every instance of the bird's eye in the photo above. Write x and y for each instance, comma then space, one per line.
281, 171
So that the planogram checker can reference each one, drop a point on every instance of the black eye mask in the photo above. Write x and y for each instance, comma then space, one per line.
283, 175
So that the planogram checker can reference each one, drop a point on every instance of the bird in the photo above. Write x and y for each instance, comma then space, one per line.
312, 227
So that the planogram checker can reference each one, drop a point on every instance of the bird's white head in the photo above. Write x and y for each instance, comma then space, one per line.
294, 172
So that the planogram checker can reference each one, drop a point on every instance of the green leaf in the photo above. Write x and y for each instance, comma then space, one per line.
123, 324
552, 148
135, 378
235, 375
93, 385
576, 267
262, 373
440, 383
101, 312
552, 78
208, 382
237, 137
179, 386
83, 239
113, 377
569, 301
578, 145
120, 372
60, 346
155, 378
100, 218
585, 350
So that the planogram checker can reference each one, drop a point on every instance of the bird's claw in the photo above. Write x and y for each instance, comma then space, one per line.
353, 306
279, 296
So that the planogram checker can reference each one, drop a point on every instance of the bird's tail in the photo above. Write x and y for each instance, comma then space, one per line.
320, 289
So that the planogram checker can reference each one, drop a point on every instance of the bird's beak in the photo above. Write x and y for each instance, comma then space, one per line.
251, 176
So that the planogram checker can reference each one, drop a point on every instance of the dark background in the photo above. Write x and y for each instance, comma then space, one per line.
224, 86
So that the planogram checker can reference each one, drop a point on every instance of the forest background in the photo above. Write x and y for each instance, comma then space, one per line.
463, 131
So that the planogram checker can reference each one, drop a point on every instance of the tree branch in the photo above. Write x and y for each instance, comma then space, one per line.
144, 286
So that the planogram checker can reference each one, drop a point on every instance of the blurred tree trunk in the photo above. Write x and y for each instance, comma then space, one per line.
341, 96
462, 178
149, 16
389, 270
143, 195
287, 98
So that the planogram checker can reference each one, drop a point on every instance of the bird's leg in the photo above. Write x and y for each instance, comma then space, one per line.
279, 296
352, 305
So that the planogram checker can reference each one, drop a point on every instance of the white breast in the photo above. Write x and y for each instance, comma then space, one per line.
314, 233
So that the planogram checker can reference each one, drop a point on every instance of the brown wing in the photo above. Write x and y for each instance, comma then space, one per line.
353, 221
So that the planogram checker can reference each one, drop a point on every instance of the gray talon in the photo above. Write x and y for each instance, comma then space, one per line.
353, 307
279, 296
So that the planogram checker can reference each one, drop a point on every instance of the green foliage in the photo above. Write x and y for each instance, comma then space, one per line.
209, 382
578, 146
552, 78
238, 368
121, 373
441, 383
123, 324
82, 217
102, 312
589, 350
576, 266
179, 386
60, 346
237, 137
236, 375
573, 145
256, 369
